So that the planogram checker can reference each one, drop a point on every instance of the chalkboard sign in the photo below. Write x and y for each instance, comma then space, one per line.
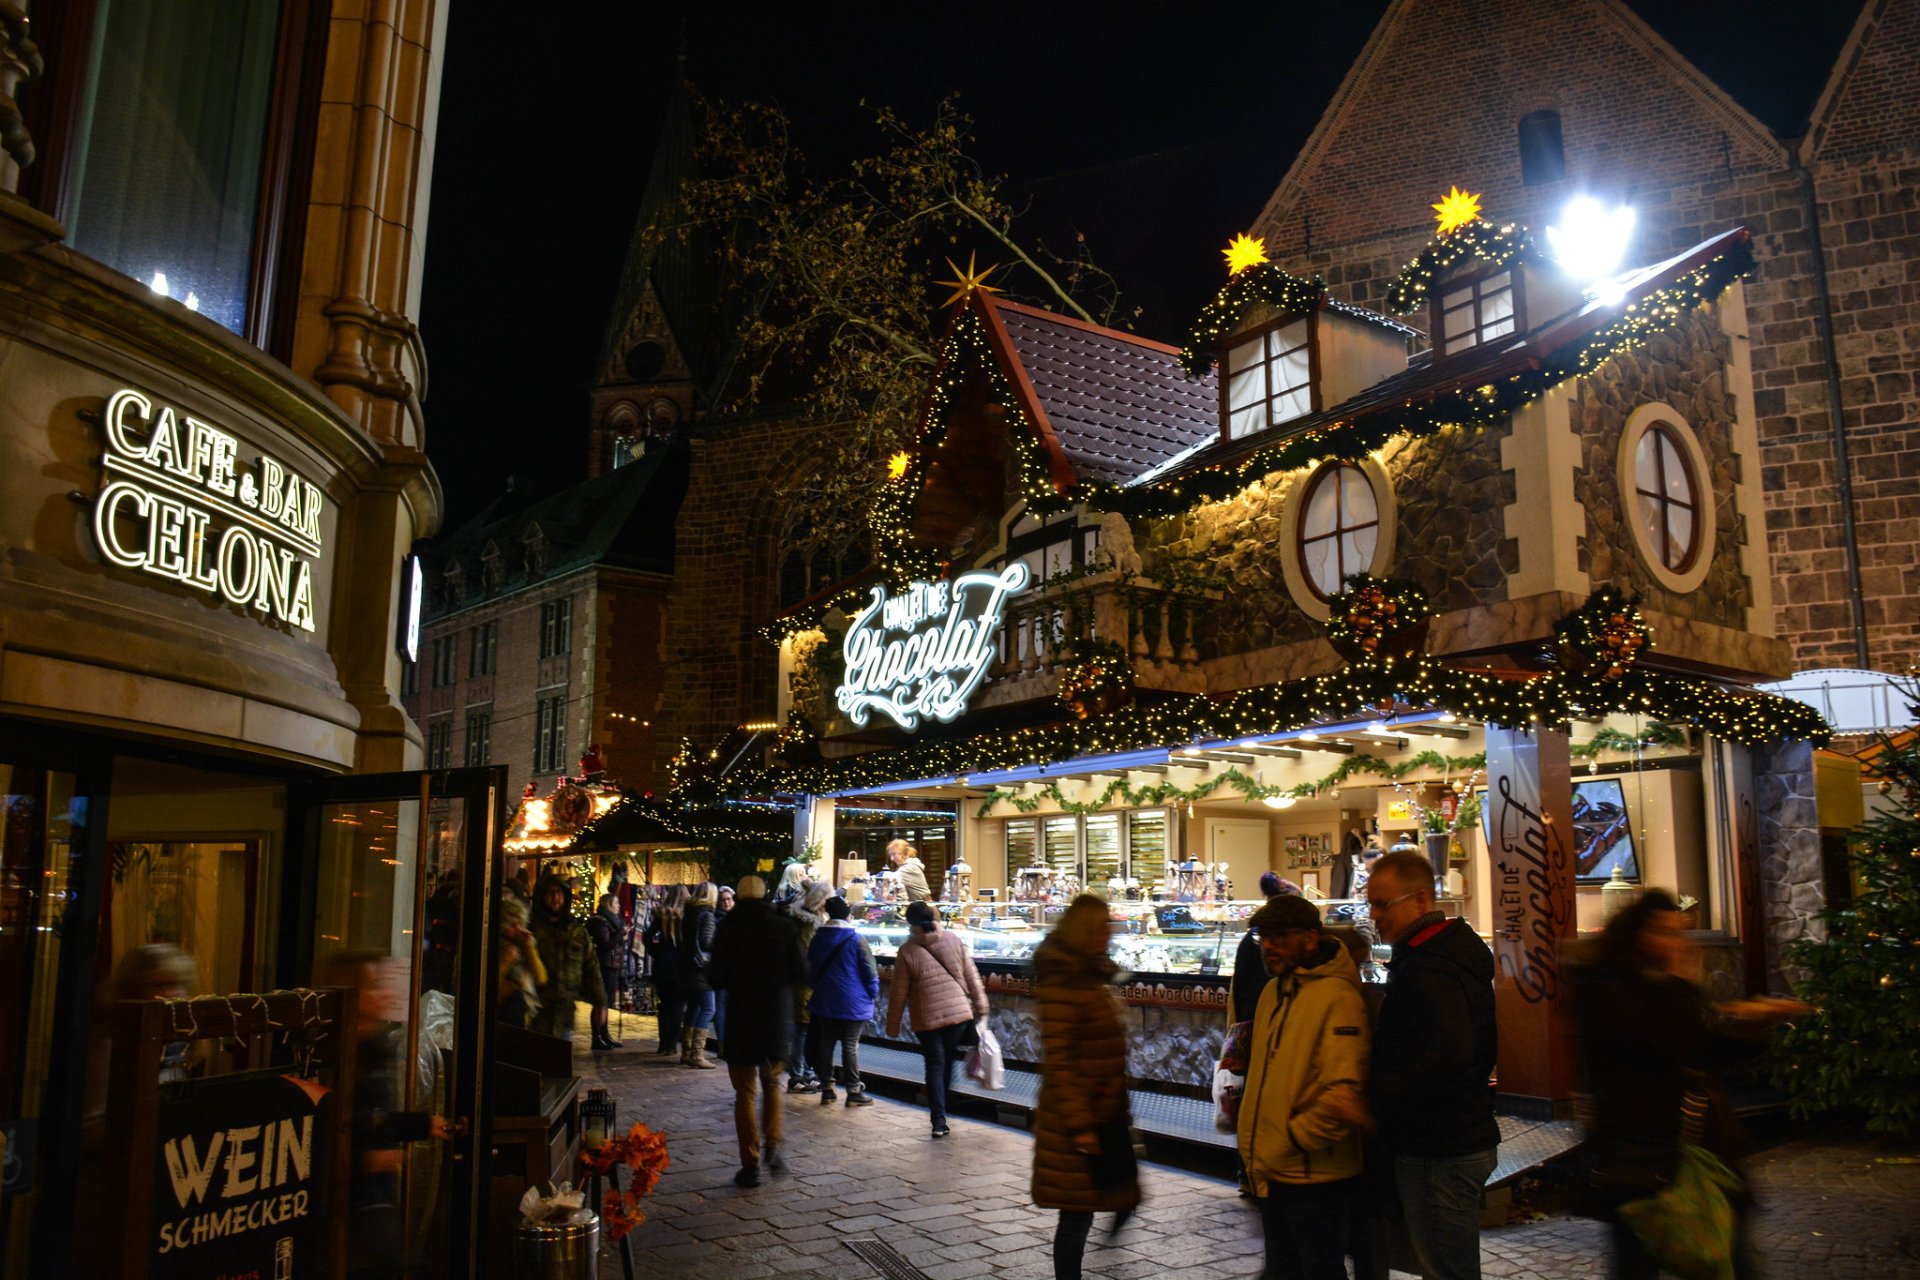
238, 1188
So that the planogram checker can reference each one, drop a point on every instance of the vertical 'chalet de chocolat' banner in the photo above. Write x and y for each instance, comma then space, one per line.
1531, 892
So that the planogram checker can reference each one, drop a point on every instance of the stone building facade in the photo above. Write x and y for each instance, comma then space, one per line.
1832, 213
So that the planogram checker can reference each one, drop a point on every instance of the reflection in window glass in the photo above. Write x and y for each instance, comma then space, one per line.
170, 140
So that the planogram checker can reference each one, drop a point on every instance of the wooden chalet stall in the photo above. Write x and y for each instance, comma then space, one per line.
1157, 621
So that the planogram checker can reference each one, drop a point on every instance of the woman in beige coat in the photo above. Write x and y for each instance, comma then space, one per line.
934, 979
1083, 1082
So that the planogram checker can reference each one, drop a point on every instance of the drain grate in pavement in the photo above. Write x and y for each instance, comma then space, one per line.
885, 1259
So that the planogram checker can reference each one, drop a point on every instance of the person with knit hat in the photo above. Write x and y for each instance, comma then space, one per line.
1307, 1066
573, 966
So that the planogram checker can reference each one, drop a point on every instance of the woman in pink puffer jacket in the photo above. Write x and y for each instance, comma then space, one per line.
934, 979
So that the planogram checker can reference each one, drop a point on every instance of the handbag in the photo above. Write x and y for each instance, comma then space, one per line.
1688, 1225
1114, 1165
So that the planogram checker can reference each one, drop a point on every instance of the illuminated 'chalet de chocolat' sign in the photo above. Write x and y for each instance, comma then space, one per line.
179, 503
924, 651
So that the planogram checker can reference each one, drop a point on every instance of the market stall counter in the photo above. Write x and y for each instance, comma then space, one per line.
1176, 962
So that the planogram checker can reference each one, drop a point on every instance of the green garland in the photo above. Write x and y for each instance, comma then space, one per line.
1361, 690
1287, 294
1495, 246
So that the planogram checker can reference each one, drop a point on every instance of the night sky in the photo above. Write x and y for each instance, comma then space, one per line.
547, 130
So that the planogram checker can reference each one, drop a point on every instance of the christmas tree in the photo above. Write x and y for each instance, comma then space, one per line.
1860, 1048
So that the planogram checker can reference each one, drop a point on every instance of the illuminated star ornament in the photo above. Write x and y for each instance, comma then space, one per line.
966, 282
897, 465
1244, 251
1456, 209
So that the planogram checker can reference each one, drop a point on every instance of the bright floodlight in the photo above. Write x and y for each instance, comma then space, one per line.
1591, 241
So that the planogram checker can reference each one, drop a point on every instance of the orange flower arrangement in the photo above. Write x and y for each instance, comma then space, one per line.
644, 1152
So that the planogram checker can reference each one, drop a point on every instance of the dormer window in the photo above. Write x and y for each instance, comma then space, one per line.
1473, 310
1269, 377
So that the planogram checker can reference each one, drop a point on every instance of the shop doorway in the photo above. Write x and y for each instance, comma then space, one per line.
397, 871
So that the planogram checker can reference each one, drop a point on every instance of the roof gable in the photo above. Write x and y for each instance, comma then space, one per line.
1871, 101
1403, 124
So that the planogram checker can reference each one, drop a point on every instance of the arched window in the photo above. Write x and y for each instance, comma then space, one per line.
1667, 497
1339, 527
1542, 158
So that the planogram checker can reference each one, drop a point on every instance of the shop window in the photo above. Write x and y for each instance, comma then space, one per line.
1663, 488
445, 658
1669, 498
481, 641
1474, 310
479, 735
550, 735
556, 628
1102, 834
1269, 378
440, 743
1542, 158
1339, 527
172, 145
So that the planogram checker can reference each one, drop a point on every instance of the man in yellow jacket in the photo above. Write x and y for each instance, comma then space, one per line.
1307, 1063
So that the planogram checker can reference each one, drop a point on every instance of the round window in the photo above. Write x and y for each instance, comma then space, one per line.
1667, 498
1339, 527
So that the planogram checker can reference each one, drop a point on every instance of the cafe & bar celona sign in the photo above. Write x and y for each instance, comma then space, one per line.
180, 501
923, 652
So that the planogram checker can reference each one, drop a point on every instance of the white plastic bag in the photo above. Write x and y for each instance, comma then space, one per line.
984, 1063
1227, 1088
565, 1205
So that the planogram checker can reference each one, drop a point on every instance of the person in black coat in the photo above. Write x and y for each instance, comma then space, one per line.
1434, 1049
758, 962
660, 940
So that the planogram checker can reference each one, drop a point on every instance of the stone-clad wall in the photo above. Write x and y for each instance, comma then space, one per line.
1450, 494
1792, 890
1237, 542
1686, 370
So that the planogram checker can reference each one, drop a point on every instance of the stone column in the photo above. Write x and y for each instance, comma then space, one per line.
1531, 889
1783, 834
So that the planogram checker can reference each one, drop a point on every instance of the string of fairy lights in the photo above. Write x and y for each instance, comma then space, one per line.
1377, 625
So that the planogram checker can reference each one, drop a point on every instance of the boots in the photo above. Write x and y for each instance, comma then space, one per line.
602, 1042
696, 1043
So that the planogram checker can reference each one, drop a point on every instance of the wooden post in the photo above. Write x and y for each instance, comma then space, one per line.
1531, 892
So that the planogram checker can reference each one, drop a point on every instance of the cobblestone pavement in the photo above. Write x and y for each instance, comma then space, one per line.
958, 1208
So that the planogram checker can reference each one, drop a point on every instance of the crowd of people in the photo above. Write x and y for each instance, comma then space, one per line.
1365, 1137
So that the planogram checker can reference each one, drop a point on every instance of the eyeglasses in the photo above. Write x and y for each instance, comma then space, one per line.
1377, 907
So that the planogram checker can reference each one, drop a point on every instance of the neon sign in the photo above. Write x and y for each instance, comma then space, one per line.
179, 503
924, 651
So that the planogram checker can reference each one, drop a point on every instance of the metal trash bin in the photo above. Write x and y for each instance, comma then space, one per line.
557, 1250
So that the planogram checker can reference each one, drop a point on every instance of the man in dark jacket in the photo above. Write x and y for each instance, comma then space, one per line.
1433, 1054
573, 966
758, 962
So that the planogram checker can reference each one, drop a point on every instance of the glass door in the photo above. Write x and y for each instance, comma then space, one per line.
398, 874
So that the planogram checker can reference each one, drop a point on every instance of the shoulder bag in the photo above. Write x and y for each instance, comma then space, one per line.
1688, 1226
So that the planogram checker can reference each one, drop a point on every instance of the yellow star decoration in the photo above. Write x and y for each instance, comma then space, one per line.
965, 282
897, 465
1244, 251
1456, 209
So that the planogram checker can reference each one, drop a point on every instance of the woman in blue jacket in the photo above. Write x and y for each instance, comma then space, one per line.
846, 982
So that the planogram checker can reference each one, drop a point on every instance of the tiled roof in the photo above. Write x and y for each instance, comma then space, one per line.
1119, 405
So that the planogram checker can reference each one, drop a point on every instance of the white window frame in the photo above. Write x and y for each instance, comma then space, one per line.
1251, 399
1705, 529
1293, 511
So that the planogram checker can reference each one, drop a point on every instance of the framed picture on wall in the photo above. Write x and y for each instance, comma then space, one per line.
1326, 842
1292, 846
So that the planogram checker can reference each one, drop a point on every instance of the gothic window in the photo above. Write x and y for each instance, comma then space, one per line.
533, 550
453, 580
493, 569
